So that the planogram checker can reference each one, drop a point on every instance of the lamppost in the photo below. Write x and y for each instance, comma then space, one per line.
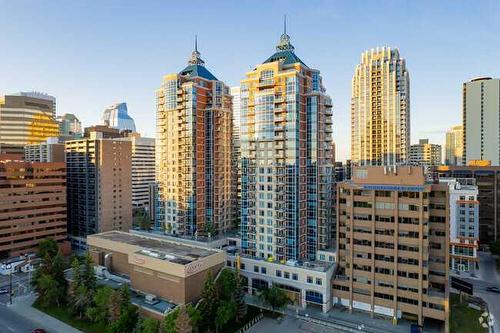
9, 267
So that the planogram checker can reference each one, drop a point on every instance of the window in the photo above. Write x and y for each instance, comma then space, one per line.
319, 282
256, 269
242, 266
229, 263
309, 279
295, 276
278, 273
287, 275
263, 270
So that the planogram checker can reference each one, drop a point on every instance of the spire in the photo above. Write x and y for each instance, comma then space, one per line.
195, 56
284, 43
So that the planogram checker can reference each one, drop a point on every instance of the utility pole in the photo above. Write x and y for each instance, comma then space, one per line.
10, 283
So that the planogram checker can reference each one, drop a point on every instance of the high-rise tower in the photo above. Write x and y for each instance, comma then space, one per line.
380, 109
193, 152
286, 156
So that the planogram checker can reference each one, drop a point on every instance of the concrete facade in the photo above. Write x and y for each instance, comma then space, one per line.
171, 270
481, 128
393, 244
32, 205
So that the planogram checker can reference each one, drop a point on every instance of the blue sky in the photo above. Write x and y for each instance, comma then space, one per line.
93, 53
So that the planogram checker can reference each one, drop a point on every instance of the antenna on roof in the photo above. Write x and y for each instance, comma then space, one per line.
284, 24
196, 43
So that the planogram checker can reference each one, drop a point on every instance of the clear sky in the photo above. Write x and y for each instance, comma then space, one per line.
93, 53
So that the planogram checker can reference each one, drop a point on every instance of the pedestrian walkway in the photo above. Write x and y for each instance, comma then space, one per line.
22, 306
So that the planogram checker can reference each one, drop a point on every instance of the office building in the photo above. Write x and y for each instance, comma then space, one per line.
454, 146
159, 267
49, 151
143, 169
70, 126
393, 244
464, 224
487, 180
32, 205
99, 186
380, 109
286, 155
116, 116
25, 119
194, 152
481, 128
425, 153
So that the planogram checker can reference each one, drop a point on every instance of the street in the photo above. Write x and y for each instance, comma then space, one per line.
10, 321
20, 286
488, 276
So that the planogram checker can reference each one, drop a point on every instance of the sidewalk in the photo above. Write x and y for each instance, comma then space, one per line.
22, 306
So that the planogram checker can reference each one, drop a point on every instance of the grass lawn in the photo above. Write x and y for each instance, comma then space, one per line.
64, 315
462, 318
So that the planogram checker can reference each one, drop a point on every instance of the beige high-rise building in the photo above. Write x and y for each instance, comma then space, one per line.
286, 156
99, 186
194, 152
454, 146
425, 153
481, 128
32, 205
143, 168
393, 244
26, 118
380, 109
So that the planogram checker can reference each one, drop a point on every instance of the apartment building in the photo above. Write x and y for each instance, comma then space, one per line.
194, 152
425, 153
49, 151
32, 205
454, 146
481, 110
393, 244
488, 182
380, 109
99, 186
287, 171
26, 118
143, 169
464, 223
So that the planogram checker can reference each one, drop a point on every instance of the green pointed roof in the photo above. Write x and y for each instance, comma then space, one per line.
196, 66
285, 52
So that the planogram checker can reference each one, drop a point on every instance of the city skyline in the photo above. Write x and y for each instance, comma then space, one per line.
88, 50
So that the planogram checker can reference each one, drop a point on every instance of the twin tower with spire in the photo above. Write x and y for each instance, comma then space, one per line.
284, 166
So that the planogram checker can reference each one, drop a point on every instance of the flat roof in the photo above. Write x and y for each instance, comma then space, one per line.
159, 248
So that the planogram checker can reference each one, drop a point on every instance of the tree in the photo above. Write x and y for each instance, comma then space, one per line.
123, 313
48, 280
225, 312
239, 298
194, 316
148, 325
208, 302
99, 311
169, 321
83, 285
274, 297
183, 322
226, 285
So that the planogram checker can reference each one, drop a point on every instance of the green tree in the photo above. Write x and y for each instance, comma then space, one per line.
169, 321
226, 285
183, 322
99, 311
194, 316
83, 285
274, 297
208, 302
127, 312
225, 312
48, 280
239, 298
147, 325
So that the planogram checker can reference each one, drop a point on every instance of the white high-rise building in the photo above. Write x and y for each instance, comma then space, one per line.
380, 109
116, 116
454, 145
143, 169
481, 111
